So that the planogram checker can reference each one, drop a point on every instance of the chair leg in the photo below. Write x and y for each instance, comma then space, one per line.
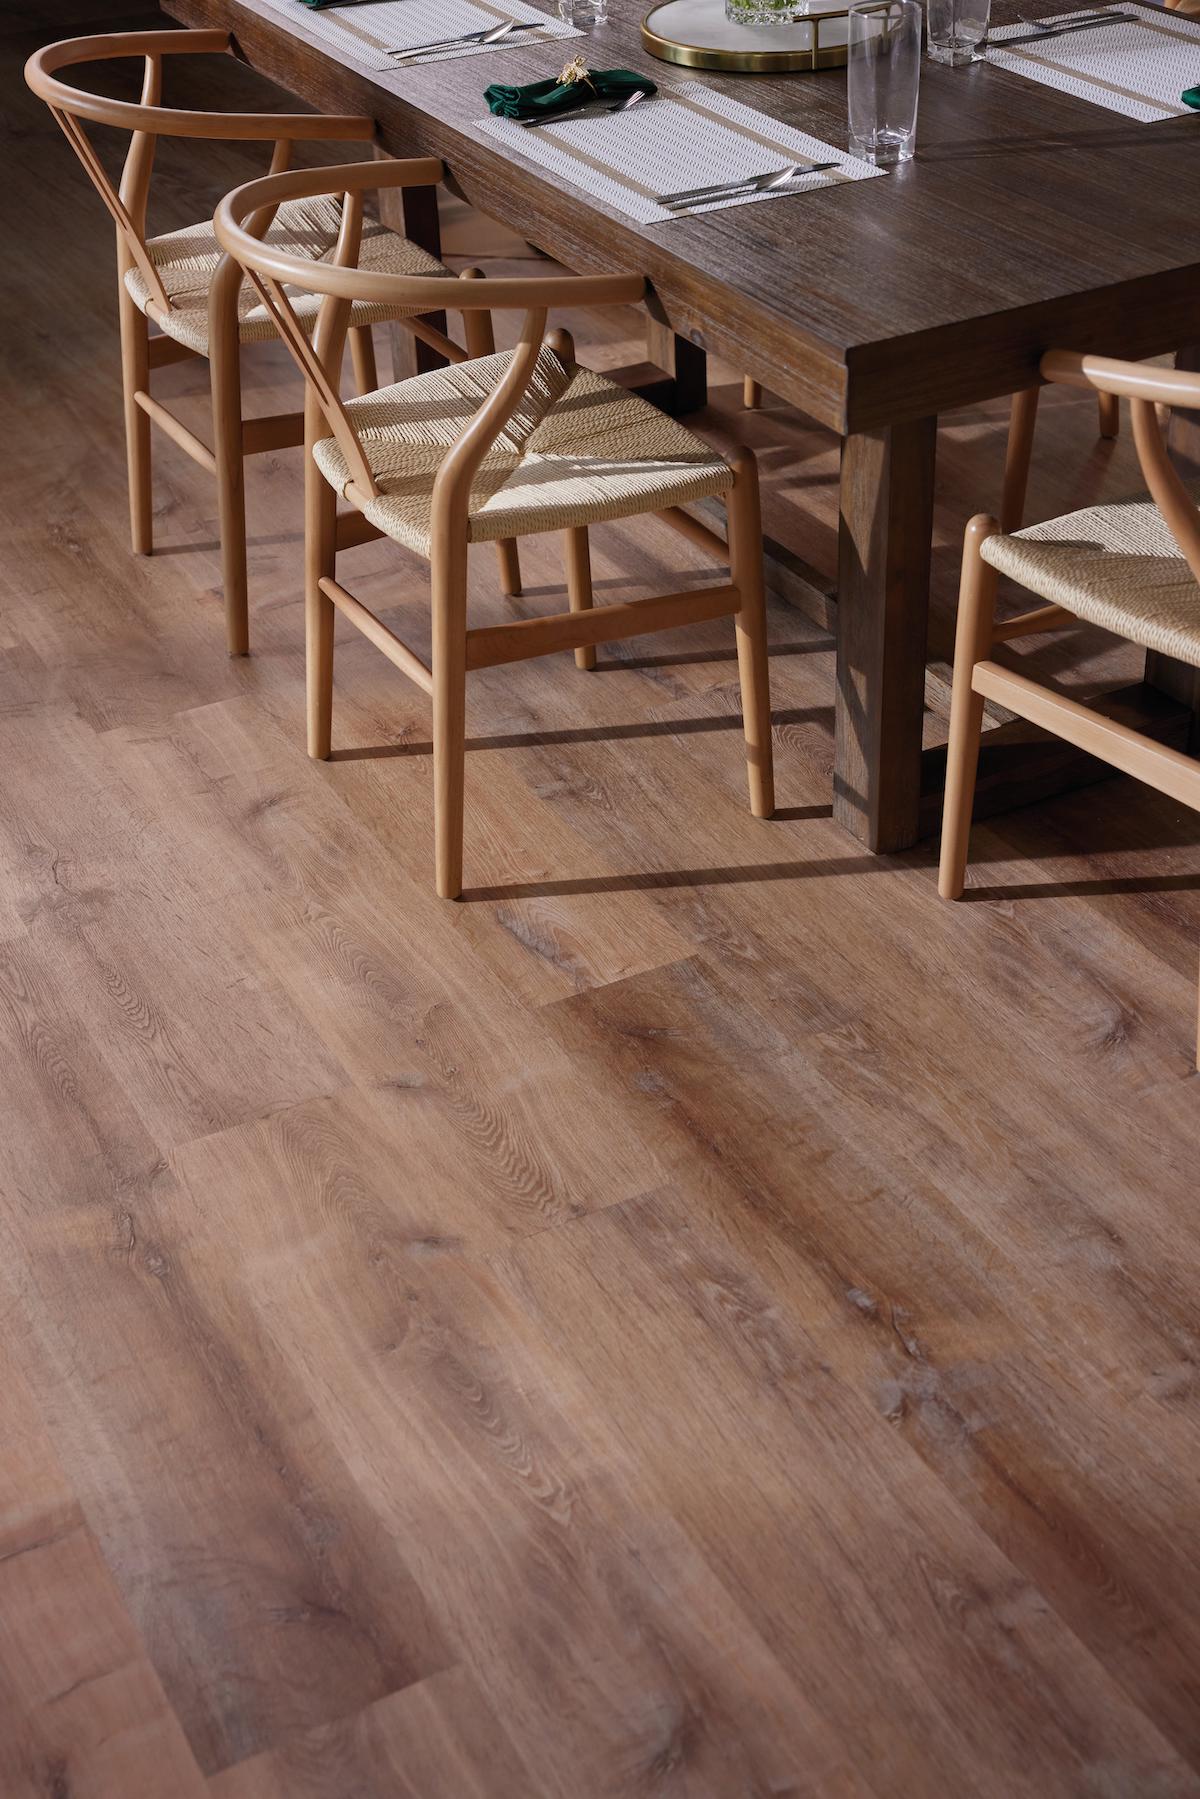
509, 560
1110, 415
751, 394
135, 376
362, 359
481, 341
1021, 421
224, 355
579, 585
972, 644
746, 570
320, 558
449, 582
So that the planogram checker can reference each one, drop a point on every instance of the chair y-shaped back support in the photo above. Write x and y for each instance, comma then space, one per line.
456, 650
147, 121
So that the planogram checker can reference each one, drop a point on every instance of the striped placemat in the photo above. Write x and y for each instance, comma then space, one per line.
688, 136
364, 34
1139, 69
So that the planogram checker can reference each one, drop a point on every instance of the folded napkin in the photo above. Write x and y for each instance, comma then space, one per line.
565, 93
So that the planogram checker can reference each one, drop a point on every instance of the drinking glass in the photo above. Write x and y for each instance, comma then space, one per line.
956, 29
581, 12
882, 78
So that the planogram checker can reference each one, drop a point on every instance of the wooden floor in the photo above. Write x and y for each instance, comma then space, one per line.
698, 1318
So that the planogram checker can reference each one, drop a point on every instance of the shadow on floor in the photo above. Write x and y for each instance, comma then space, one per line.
681, 727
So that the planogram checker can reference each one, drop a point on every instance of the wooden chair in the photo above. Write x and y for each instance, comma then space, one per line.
1022, 420
499, 446
1132, 567
196, 296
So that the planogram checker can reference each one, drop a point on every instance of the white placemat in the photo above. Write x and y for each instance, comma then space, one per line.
688, 136
1139, 69
362, 34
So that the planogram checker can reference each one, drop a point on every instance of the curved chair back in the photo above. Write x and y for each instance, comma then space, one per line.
147, 120
1146, 388
239, 224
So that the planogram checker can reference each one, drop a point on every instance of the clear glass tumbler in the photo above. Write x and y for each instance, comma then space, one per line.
956, 29
883, 77
583, 12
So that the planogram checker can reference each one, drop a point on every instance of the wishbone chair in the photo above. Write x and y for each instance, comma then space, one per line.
1131, 567
509, 445
196, 296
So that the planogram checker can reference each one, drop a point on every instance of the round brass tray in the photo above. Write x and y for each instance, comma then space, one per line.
697, 34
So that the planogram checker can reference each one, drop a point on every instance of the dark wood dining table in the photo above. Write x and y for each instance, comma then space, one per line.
1028, 220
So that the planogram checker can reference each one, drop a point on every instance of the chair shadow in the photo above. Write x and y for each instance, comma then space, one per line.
680, 727
659, 880
612, 663
1109, 884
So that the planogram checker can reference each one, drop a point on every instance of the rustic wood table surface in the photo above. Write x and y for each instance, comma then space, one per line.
1028, 220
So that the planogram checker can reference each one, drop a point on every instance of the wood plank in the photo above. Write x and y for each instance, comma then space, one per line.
83, 1710
441, 1735
883, 604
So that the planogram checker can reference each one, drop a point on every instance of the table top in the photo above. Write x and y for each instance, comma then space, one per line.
1029, 219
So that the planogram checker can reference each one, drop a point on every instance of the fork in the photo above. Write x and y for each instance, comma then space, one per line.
1052, 31
1061, 23
681, 208
752, 183
492, 36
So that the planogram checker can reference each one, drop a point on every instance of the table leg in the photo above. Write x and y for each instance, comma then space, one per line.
685, 366
885, 537
414, 211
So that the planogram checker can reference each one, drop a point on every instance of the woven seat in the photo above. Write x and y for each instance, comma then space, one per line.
577, 451
187, 260
1117, 566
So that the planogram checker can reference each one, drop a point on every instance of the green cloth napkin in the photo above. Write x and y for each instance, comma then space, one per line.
542, 99
1191, 97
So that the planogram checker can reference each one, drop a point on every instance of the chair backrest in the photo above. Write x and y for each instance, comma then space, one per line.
238, 224
1146, 388
148, 120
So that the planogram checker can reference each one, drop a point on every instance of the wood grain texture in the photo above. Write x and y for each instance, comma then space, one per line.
632, 1333
1049, 222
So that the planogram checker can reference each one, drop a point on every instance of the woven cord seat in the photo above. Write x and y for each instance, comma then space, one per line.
187, 260
1118, 566
579, 450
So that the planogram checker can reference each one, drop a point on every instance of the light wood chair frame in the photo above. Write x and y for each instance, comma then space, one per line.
234, 437
458, 649
978, 677
1018, 452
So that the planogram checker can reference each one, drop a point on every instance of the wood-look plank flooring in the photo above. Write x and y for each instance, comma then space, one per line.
699, 1318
